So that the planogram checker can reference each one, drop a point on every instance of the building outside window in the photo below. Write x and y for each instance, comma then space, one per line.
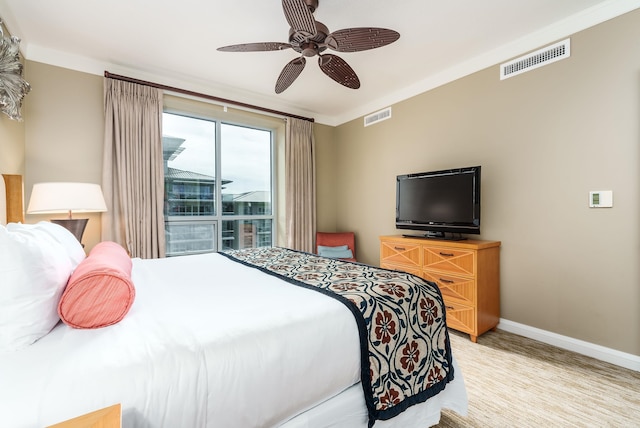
202, 213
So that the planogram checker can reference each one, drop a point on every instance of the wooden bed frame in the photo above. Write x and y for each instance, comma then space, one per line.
14, 198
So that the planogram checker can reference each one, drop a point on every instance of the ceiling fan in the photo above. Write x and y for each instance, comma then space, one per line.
310, 37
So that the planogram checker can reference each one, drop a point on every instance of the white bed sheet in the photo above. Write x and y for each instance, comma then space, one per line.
348, 409
203, 329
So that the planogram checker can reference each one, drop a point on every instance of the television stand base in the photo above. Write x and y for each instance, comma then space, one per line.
439, 235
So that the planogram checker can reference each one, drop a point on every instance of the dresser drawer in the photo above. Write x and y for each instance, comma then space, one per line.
400, 253
459, 288
461, 317
414, 270
450, 260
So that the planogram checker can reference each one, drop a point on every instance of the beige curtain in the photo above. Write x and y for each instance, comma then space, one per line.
132, 172
300, 185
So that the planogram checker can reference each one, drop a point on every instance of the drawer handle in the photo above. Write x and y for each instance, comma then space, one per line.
450, 308
446, 254
446, 281
399, 248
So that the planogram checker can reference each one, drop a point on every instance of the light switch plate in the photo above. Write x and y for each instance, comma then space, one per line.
601, 199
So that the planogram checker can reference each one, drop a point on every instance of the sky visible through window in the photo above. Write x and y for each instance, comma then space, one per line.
245, 152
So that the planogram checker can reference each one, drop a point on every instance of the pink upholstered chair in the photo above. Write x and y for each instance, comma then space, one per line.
336, 239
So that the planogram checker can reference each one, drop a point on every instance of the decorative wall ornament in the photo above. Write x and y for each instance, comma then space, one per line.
13, 87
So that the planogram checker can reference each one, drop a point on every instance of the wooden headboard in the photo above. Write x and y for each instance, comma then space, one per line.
13, 198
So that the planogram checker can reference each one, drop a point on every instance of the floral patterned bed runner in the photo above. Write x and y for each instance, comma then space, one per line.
405, 349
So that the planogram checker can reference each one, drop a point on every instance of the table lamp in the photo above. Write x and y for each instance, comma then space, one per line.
67, 198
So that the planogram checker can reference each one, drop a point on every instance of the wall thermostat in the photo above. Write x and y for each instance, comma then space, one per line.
601, 199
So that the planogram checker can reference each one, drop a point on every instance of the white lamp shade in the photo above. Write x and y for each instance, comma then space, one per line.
66, 198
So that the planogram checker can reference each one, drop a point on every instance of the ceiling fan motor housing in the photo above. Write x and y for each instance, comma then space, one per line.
309, 46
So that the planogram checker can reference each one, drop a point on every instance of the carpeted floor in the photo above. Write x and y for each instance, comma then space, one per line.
514, 381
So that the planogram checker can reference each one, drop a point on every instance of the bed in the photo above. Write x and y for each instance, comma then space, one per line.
216, 340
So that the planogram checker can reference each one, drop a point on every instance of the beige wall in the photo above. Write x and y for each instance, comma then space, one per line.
11, 139
64, 123
544, 140
11, 145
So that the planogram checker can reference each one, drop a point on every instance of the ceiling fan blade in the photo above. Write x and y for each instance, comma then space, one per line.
336, 68
299, 17
360, 39
289, 73
255, 47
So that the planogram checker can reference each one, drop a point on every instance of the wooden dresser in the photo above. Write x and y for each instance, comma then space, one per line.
467, 273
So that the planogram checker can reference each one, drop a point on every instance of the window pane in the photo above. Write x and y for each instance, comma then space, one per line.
189, 165
246, 171
190, 237
239, 234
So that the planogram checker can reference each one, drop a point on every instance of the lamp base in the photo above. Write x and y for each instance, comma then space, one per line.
75, 226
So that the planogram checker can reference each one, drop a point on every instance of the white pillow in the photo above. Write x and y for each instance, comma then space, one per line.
34, 270
65, 238
340, 252
336, 248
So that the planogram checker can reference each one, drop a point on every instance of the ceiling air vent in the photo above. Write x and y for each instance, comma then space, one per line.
378, 116
544, 56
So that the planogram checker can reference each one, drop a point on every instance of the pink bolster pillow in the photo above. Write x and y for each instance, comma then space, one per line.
100, 291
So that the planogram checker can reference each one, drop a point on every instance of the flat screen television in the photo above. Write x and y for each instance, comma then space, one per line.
445, 204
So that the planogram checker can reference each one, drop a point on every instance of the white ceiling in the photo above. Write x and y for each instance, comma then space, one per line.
174, 43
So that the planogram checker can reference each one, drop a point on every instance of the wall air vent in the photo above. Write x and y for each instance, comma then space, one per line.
544, 56
378, 116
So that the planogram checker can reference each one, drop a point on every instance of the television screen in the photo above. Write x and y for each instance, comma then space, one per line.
439, 202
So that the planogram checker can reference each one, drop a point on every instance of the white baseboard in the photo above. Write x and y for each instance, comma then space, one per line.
609, 355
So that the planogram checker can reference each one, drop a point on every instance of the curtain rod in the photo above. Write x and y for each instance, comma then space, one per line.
200, 95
